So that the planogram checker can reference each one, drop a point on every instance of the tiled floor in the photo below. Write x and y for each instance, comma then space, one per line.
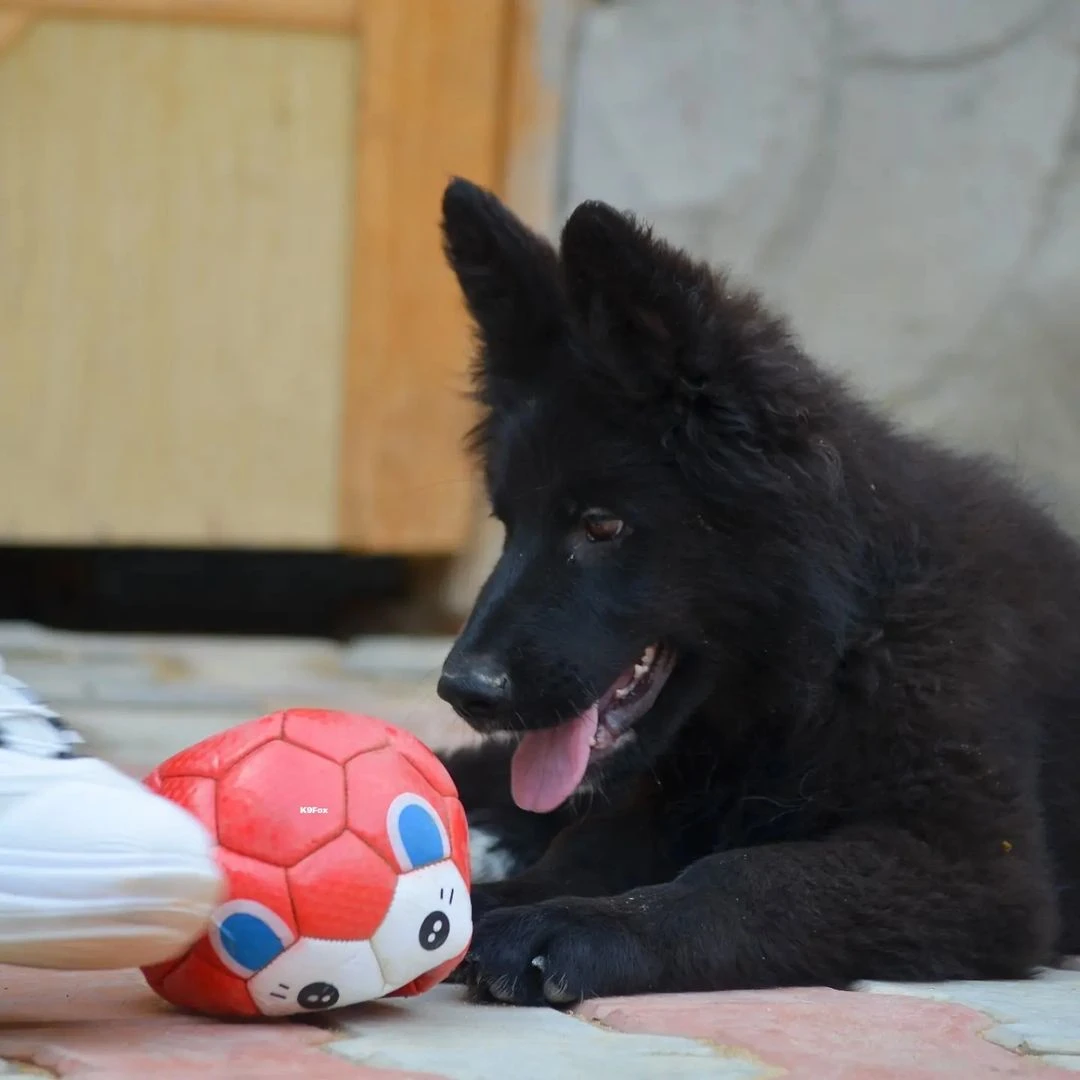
112, 1026
141, 699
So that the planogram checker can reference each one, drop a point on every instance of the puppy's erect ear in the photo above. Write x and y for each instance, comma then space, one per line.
645, 303
665, 328
508, 275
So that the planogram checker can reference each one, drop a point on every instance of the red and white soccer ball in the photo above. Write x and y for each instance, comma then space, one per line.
345, 849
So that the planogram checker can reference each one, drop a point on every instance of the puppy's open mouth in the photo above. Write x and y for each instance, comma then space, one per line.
549, 764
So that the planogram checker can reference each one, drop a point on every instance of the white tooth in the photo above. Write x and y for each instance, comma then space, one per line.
647, 655
622, 691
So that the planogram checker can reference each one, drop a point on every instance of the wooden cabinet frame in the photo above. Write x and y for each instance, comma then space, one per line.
447, 86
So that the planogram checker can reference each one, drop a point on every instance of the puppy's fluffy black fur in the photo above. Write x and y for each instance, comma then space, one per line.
866, 762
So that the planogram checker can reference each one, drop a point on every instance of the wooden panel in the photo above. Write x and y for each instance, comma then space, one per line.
330, 15
173, 283
539, 53
430, 106
13, 22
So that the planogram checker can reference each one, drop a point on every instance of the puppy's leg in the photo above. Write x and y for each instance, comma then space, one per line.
503, 840
602, 853
862, 904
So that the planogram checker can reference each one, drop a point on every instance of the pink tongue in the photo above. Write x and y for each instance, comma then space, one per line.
548, 765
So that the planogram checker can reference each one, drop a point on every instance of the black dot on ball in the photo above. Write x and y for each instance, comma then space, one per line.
318, 995
434, 930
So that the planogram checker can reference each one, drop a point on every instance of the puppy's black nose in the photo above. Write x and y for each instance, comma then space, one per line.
478, 689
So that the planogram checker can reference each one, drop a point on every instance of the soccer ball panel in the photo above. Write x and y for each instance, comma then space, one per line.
280, 804
252, 879
429, 923
247, 936
423, 761
342, 890
375, 781
337, 736
459, 837
214, 756
315, 975
200, 983
416, 832
423, 983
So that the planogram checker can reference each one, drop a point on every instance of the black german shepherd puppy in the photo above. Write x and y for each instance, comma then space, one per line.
776, 694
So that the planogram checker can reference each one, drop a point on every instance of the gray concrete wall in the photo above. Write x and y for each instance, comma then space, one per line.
901, 176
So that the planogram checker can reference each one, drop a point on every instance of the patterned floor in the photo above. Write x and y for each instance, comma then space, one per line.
141, 699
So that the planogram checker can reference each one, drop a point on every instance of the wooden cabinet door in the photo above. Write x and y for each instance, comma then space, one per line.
224, 315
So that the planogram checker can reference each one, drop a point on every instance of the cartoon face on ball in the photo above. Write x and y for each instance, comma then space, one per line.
428, 922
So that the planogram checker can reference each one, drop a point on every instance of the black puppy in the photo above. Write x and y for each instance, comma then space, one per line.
777, 694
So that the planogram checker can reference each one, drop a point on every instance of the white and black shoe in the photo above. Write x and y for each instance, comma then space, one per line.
96, 871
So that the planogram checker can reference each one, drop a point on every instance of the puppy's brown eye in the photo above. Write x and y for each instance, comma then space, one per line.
601, 527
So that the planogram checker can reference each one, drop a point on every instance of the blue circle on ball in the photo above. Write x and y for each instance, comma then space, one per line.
420, 835
249, 941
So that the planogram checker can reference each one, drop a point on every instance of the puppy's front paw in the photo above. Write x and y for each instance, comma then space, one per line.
556, 953
485, 899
